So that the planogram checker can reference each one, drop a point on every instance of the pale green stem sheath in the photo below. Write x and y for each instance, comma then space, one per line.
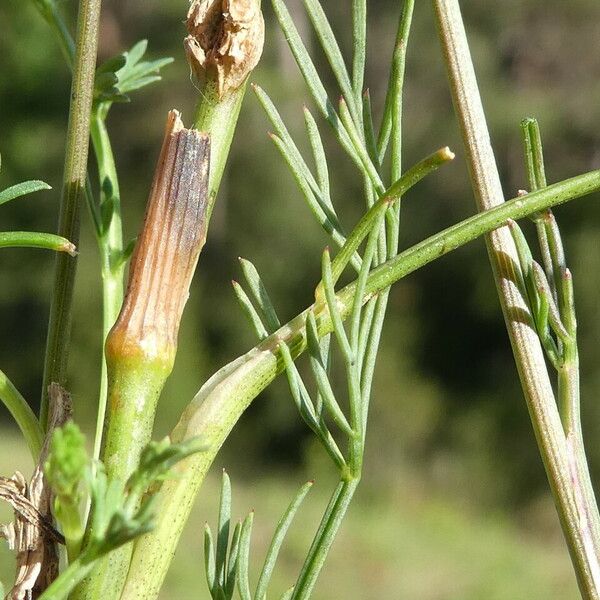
223, 398
74, 180
529, 356
32, 239
23, 415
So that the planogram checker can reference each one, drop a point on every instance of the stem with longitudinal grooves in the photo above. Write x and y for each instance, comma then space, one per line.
529, 356
74, 178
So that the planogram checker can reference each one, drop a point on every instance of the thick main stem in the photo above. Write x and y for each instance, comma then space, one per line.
524, 340
75, 171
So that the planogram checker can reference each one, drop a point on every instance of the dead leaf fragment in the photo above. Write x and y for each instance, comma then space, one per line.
225, 42
31, 534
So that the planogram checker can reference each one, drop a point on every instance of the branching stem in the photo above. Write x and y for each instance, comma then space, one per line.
225, 396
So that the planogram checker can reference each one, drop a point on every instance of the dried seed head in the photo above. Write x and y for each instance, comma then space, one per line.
225, 42
167, 250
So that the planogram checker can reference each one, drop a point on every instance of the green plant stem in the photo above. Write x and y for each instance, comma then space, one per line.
23, 415
524, 340
134, 387
332, 520
110, 244
74, 180
225, 396
218, 118
32, 239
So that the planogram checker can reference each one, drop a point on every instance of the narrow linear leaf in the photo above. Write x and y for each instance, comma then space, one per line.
209, 559
260, 295
223, 531
359, 147
359, 31
370, 129
333, 53
250, 311
282, 131
31, 239
22, 189
306, 408
392, 114
554, 317
278, 538
331, 299
324, 215
243, 578
234, 555
534, 154
322, 379
311, 77
319, 156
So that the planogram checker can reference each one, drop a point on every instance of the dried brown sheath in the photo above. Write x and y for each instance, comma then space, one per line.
168, 247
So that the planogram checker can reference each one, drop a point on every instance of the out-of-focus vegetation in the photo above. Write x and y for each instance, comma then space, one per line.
454, 503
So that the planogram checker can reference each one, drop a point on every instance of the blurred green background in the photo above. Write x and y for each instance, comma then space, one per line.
454, 503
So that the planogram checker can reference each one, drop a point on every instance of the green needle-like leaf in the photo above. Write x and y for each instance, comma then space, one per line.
328, 283
306, 408
333, 53
319, 155
260, 295
223, 530
568, 315
243, 579
534, 154
282, 131
311, 76
359, 29
391, 123
31, 239
320, 372
22, 189
543, 289
250, 311
23, 415
277, 541
234, 556
359, 147
324, 215
370, 129
209, 559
